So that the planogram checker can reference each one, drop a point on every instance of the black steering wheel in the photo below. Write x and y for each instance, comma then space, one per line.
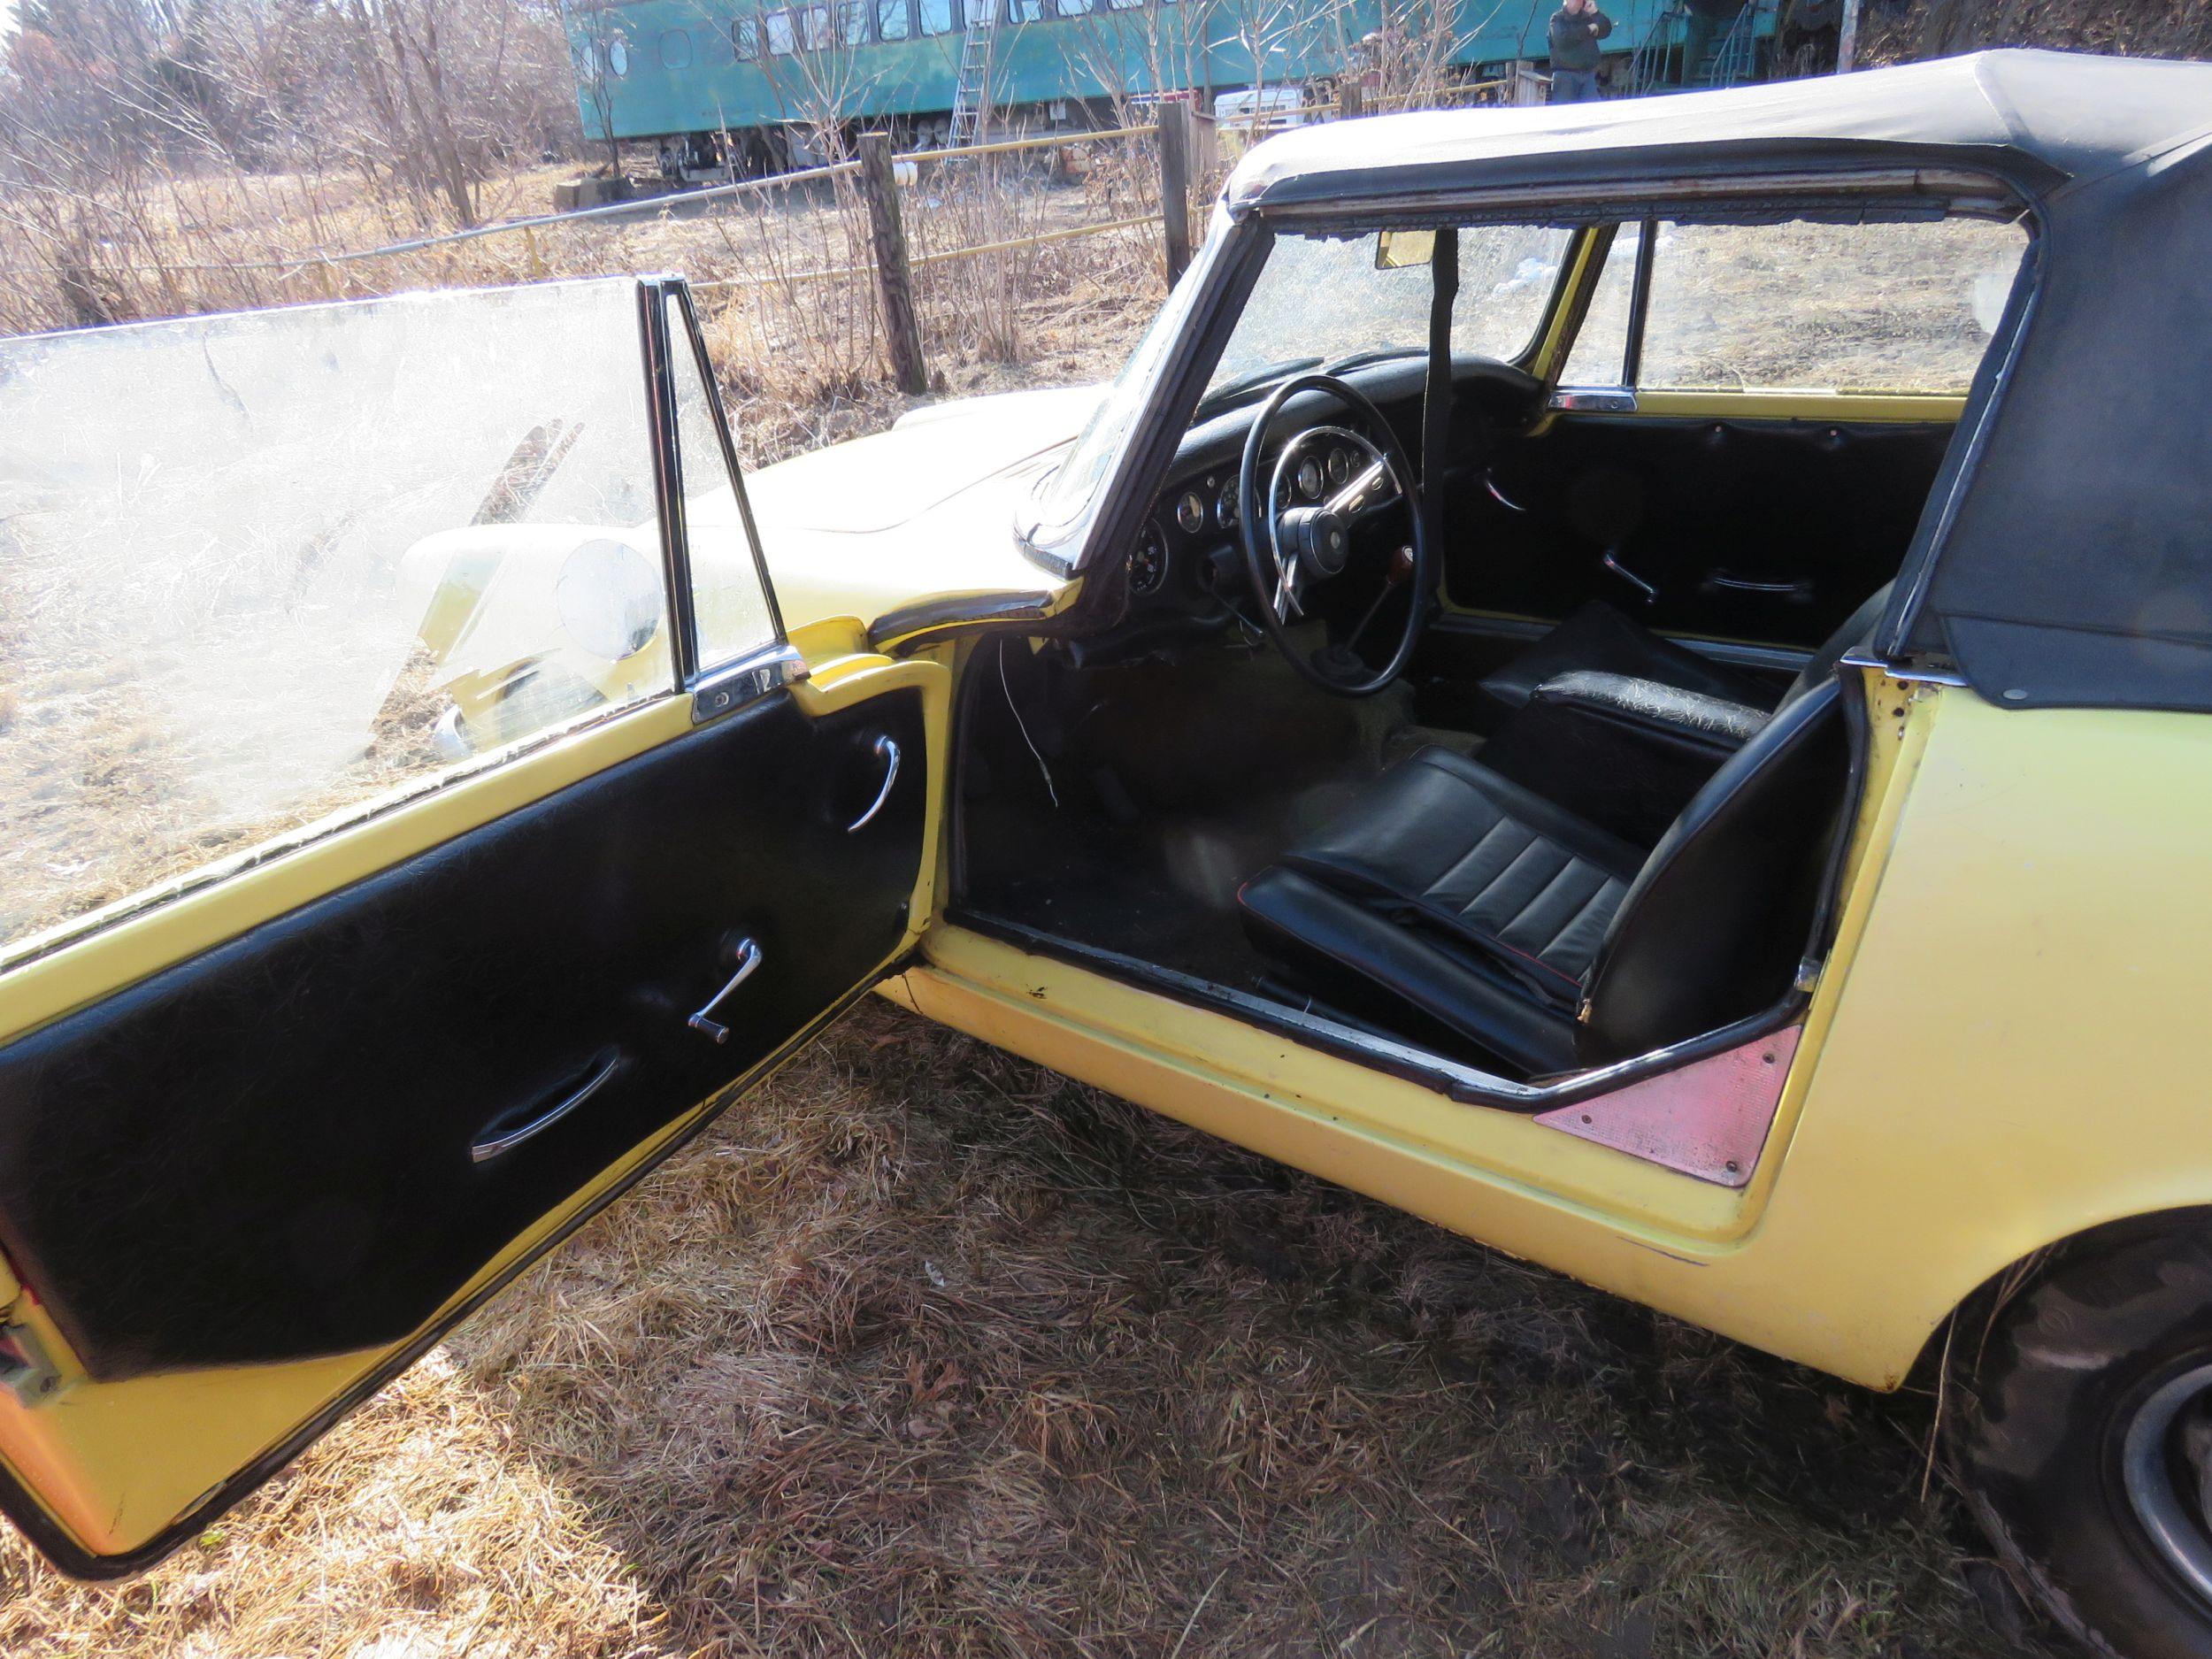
1288, 550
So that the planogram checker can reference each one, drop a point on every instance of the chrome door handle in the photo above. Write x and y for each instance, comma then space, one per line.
886, 750
1629, 576
493, 1146
748, 959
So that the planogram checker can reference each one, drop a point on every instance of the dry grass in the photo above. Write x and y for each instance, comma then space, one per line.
924, 1350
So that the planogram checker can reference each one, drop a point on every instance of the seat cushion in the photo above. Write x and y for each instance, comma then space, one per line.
1600, 639
1493, 885
1409, 982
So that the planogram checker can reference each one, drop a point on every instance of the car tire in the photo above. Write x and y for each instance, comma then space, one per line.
2086, 1445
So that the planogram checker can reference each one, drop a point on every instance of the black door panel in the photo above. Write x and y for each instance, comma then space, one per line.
270, 1151
1766, 531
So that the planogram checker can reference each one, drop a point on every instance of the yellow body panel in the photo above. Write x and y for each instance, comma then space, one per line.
117, 1464
1989, 1061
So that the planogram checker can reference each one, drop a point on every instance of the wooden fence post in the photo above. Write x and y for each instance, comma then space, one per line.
895, 278
1174, 141
1351, 99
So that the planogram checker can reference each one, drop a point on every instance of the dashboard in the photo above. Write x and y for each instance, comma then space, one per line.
1188, 553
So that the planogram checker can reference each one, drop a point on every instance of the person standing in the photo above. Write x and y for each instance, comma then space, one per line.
1575, 29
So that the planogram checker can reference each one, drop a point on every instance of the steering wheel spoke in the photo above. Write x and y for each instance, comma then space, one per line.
1293, 539
1374, 485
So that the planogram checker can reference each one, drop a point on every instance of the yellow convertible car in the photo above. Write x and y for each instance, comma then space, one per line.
1632, 679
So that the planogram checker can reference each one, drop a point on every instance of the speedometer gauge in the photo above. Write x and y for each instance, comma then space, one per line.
1147, 562
1190, 512
1340, 465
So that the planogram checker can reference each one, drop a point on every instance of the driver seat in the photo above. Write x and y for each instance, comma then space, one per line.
1449, 904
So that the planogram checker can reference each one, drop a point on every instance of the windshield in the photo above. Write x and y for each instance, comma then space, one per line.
1317, 301
1322, 300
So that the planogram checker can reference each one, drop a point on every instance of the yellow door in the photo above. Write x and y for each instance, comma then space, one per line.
417, 822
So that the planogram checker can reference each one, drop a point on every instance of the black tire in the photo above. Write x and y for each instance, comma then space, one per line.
2071, 1366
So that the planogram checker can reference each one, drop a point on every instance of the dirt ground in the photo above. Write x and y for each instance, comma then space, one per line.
924, 1350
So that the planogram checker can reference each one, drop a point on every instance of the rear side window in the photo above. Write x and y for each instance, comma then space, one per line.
1903, 307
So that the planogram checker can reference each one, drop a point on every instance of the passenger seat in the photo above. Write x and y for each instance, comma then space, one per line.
1622, 727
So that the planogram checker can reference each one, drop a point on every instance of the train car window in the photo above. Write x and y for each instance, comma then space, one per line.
1026, 11
852, 22
618, 57
814, 30
745, 38
895, 19
936, 17
780, 38
980, 11
675, 49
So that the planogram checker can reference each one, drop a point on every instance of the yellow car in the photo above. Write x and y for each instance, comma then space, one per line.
1631, 678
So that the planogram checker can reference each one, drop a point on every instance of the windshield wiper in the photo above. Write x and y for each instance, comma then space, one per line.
1243, 385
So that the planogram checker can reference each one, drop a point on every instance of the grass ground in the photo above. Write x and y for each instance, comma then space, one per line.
924, 1350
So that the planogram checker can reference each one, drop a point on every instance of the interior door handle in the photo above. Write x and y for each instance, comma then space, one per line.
1799, 589
748, 959
492, 1146
886, 750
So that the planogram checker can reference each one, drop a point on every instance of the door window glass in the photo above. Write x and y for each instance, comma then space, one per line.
1903, 307
734, 619
1598, 355
256, 571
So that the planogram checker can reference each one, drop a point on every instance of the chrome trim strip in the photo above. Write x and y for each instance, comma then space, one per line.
1904, 673
1588, 400
722, 691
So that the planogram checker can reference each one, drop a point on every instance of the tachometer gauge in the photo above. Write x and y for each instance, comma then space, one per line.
1147, 563
1226, 509
1340, 465
1190, 512
1310, 479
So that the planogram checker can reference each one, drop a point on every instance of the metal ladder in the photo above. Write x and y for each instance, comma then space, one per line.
973, 87
1736, 57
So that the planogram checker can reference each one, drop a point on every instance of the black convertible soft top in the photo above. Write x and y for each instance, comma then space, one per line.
2065, 555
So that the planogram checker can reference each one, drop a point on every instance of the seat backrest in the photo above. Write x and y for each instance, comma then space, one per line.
1821, 665
1714, 925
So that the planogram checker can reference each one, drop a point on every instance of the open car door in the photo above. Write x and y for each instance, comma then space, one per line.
415, 822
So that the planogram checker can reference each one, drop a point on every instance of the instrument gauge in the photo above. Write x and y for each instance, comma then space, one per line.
1226, 509
1340, 465
1190, 513
1147, 562
1310, 480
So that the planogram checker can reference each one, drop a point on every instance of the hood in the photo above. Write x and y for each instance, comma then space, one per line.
873, 484
921, 514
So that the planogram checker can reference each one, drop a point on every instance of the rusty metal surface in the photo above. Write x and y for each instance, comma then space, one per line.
1710, 1120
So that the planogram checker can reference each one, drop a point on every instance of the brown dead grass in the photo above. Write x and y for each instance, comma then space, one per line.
924, 1350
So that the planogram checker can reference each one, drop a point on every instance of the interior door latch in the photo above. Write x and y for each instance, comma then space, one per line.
1629, 576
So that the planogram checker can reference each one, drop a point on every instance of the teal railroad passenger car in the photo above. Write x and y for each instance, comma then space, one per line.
752, 85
